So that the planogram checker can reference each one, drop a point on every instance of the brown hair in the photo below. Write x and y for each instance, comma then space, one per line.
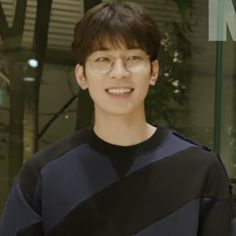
118, 24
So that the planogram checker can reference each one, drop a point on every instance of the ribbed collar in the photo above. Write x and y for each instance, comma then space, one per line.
122, 157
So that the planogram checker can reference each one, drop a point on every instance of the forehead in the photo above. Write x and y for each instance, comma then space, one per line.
115, 47
117, 52
114, 42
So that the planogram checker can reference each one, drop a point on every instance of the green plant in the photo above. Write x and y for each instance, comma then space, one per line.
167, 100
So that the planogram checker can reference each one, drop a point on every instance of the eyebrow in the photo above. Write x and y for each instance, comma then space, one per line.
103, 49
108, 49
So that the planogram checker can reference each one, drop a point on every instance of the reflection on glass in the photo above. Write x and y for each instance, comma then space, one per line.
228, 126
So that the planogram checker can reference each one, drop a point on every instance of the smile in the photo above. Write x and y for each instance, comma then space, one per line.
119, 91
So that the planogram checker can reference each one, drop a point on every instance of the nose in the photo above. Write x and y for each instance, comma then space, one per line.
119, 70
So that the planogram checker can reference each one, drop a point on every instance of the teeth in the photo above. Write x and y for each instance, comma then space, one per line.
119, 90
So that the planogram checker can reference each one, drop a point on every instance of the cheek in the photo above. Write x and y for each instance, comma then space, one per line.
96, 89
144, 85
141, 91
144, 80
94, 81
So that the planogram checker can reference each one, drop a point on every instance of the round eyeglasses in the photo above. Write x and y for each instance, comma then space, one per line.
104, 63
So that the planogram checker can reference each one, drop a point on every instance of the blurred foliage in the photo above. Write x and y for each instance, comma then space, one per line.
167, 99
184, 6
232, 144
4, 92
3, 140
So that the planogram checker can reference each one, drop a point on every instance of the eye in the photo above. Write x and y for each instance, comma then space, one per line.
102, 59
134, 58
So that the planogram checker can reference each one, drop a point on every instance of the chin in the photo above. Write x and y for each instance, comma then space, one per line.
119, 110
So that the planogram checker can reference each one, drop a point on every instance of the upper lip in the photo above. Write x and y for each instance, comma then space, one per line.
120, 87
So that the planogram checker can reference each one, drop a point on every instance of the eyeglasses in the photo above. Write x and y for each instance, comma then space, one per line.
103, 62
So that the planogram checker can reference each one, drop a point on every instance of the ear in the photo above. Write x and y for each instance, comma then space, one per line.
80, 77
154, 72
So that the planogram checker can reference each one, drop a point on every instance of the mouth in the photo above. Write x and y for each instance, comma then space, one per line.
119, 91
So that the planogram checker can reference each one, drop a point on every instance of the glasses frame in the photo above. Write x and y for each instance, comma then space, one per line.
114, 61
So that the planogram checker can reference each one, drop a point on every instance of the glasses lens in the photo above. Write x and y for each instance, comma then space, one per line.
133, 63
136, 63
102, 64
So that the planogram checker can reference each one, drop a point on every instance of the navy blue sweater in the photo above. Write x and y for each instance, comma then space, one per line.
82, 185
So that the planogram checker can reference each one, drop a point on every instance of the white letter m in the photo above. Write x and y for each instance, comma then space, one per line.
221, 15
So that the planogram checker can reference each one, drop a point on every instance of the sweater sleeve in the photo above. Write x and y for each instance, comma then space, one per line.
19, 218
217, 218
216, 212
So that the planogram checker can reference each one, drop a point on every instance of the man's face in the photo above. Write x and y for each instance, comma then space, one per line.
118, 79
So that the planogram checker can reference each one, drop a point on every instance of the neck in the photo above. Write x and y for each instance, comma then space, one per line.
123, 130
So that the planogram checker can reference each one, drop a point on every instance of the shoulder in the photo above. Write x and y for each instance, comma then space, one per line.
189, 140
206, 163
30, 171
185, 148
196, 151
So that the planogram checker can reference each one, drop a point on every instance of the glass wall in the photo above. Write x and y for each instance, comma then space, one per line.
228, 110
38, 102
38, 92
189, 67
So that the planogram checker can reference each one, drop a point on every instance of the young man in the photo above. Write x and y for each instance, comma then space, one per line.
121, 176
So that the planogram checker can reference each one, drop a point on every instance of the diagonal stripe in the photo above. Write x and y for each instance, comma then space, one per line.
32, 230
141, 198
183, 222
